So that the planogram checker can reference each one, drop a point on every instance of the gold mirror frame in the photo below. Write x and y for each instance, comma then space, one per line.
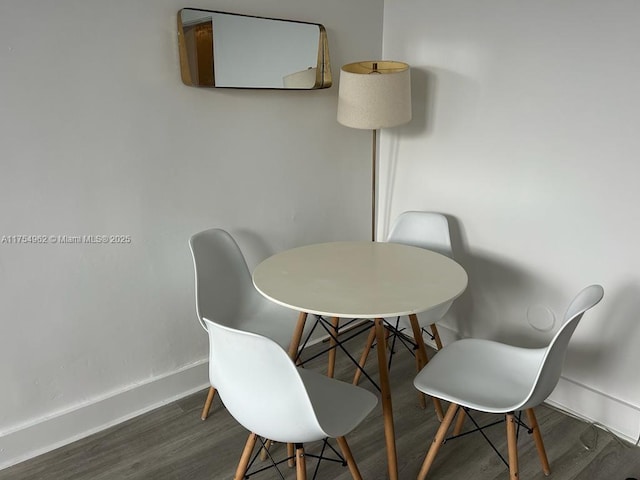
196, 45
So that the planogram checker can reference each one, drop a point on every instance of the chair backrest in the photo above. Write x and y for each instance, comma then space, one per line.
260, 385
222, 278
428, 230
551, 367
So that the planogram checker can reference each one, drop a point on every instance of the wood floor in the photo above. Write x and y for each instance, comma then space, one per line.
172, 443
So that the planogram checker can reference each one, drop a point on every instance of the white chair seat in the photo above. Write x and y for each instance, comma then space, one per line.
339, 406
482, 375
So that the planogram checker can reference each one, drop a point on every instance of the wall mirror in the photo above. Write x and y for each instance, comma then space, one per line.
220, 49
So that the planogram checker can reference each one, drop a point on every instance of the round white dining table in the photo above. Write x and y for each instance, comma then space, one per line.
369, 280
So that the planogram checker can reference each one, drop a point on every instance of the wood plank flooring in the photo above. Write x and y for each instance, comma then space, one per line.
172, 443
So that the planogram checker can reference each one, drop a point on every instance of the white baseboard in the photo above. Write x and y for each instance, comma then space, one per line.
619, 417
62, 428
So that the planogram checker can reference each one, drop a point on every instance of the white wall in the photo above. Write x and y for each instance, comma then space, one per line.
99, 136
525, 132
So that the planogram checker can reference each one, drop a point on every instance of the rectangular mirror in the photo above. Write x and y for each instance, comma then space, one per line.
228, 50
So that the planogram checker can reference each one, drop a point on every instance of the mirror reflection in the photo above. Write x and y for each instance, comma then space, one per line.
219, 49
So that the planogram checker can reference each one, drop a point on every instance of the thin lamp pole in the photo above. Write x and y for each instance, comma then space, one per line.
374, 186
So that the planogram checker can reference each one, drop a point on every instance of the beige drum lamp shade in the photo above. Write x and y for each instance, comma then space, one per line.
374, 94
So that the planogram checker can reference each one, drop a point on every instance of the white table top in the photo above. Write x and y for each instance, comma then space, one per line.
360, 279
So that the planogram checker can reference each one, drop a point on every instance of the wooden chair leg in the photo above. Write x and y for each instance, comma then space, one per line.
537, 437
436, 336
207, 404
291, 455
457, 429
422, 353
348, 456
297, 335
264, 451
438, 408
512, 444
437, 441
301, 464
246, 456
335, 321
365, 353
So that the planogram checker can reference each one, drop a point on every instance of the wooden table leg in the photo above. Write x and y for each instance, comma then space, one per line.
335, 321
422, 351
417, 336
421, 358
348, 456
297, 335
421, 396
387, 407
365, 353
293, 353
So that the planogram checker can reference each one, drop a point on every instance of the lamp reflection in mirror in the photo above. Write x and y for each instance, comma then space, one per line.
374, 95
302, 79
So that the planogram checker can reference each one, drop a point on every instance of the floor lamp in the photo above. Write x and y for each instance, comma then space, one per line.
374, 95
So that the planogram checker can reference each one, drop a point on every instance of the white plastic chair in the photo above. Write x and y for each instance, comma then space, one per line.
267, 394
493, 377
428, 230
225, 293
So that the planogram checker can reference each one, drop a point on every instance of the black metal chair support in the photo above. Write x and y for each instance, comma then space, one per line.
396, 333
354, 331
480, 429
339, 343
274, 464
